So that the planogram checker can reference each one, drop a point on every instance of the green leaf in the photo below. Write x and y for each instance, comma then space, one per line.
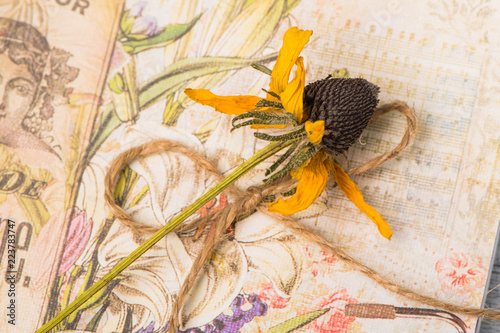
97, 299
137, 37
169, 81
169, 35
116, 84
291, 325
94, 323
187, 69
126, 23
247, 4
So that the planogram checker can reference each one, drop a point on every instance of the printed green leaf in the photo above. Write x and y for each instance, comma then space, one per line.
291, 325
136, 37
94, 323
170, 80
169, 35
95, 301
116, 84
126, 23
247, 4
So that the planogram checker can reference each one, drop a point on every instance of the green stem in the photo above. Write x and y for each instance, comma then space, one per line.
249, 164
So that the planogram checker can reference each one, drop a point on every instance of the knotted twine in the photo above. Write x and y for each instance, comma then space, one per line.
247, 202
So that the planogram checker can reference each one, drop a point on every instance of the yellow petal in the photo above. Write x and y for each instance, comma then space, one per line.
297, 173
292, 97
226, 104
352, 192
311, 184
315, 131
294, 41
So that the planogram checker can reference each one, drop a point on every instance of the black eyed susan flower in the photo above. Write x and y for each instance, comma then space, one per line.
326, 116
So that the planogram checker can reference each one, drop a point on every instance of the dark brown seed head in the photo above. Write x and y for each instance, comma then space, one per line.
346, 106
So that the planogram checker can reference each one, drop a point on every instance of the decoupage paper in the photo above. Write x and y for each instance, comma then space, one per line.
440, 196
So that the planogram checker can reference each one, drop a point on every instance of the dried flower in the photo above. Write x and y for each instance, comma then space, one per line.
327, 117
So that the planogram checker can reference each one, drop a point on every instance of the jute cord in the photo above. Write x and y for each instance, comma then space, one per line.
246, 202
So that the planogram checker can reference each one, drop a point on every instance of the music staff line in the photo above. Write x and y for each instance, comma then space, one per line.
426, 222
449, 52
452, 137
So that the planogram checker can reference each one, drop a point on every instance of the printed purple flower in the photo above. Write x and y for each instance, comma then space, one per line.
142, 25
78, 236
149, 329
233, 323
229, 324
206, 329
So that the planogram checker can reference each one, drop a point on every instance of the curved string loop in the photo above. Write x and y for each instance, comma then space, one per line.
410, 131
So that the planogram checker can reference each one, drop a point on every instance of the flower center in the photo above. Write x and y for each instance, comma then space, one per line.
346, 106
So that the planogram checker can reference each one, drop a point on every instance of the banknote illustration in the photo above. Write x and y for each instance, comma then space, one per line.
54, 59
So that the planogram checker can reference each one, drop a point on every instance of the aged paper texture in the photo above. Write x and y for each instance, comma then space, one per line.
54, 57
440, 196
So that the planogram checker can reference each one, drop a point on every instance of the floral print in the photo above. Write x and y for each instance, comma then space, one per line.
239, 317
288, 286
460, 273
268, 294
78, 236
142, 25
334, 320
326, 258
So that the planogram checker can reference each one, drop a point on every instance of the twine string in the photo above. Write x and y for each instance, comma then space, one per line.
246, 202
410, 132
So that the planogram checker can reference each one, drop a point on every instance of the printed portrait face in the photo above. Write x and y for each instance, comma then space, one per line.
17, 89
23, 58
31, 76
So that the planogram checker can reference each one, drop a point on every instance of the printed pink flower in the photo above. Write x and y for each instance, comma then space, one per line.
334, 320
78, 236
460, 273
327, 259
271, 297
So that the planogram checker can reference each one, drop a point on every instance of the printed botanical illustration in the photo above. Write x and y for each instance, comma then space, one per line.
68, 109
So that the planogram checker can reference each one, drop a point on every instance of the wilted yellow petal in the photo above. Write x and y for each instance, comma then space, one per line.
294, 41
311, 184
352, 192
292, 97
226, 104
315, 131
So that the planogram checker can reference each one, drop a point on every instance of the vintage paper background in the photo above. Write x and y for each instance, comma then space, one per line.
59, 67
440, 196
